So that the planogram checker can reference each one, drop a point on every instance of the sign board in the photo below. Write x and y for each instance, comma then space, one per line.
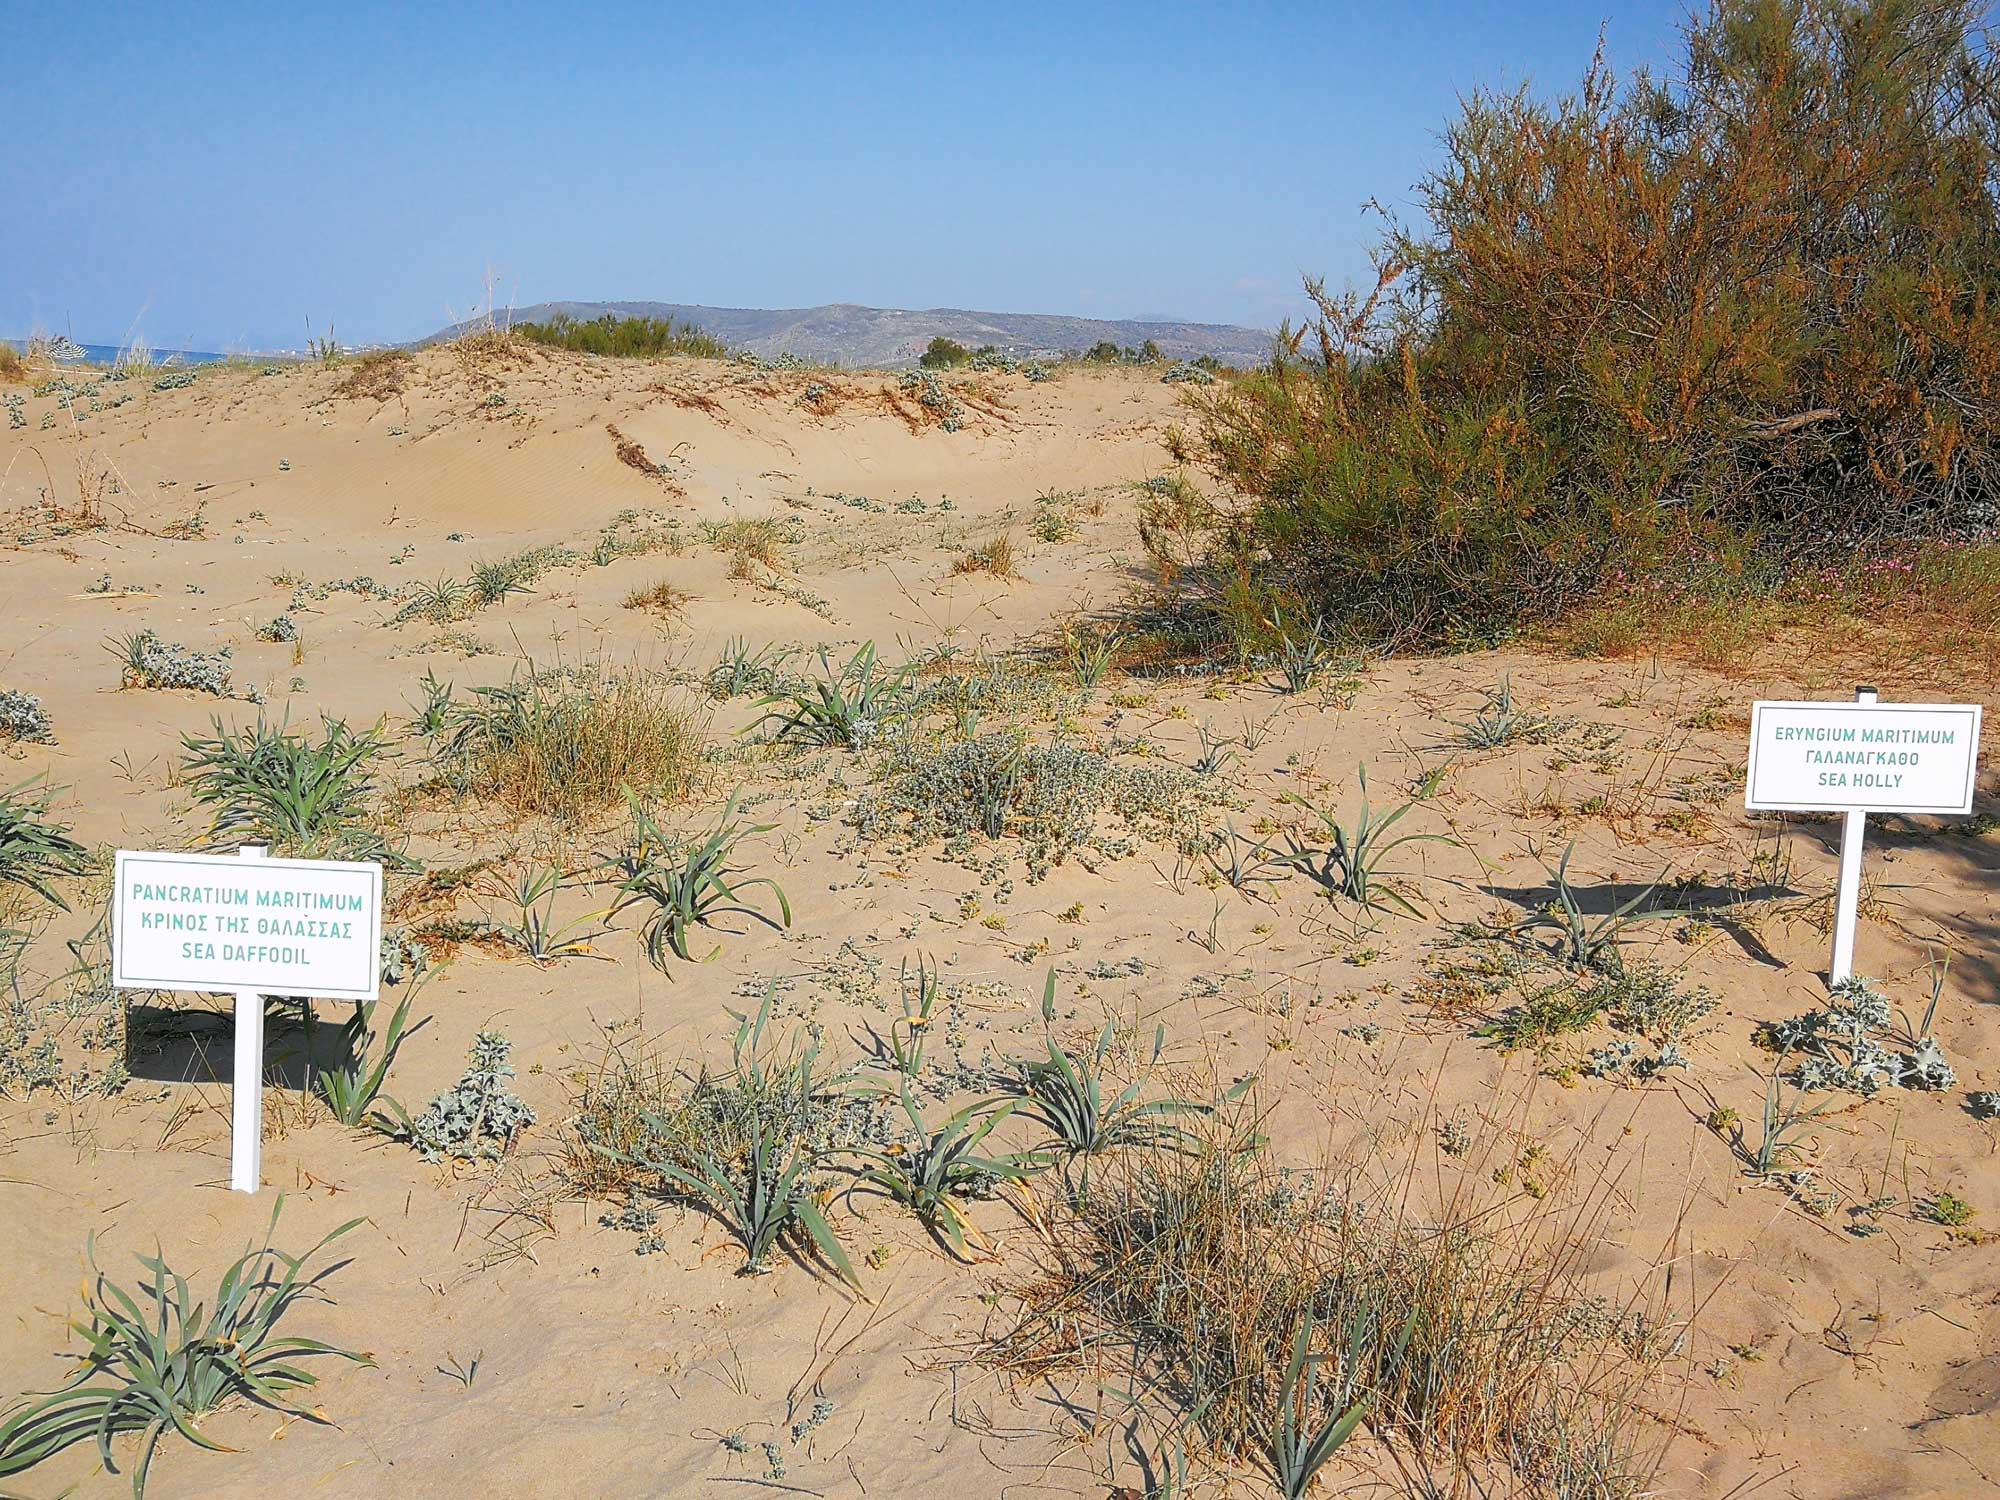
277, 926
254, 925
1857, 758
1862, 757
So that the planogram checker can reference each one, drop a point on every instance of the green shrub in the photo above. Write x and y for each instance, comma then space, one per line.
1697, 333
944, 354
624, 338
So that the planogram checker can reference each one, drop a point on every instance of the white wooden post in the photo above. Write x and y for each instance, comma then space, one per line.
246, 1105
1847, 902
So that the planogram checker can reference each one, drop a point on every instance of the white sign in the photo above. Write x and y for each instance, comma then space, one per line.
217, 922
309, 927
1865, 757
1857, 758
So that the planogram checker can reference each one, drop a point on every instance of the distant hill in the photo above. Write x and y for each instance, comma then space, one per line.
846, 334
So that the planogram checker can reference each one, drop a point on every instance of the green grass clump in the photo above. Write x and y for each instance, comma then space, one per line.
157, 1363
269, 785
1948, 1209
1555, 1010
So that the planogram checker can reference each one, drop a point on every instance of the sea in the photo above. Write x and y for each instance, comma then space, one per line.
107, 354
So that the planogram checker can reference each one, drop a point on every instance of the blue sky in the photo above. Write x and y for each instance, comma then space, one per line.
214, 174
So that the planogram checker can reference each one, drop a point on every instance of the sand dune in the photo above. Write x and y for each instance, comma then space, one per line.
1815, 1361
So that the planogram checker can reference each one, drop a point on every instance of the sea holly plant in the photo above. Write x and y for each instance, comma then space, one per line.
476, 1119
1842, 1047
687, 884
156, 1363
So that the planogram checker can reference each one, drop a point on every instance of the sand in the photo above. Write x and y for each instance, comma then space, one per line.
1817, 1363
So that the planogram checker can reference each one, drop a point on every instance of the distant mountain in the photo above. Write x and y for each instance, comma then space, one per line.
882, 336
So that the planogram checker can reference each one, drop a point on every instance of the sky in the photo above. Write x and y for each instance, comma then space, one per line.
211, 176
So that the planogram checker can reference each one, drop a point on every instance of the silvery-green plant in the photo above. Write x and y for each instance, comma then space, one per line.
686, 884
1090, 654
1782, 1126
1843, 1046
1245, 863
846, 707
910, 1033
1213, 755
534, 931
476, 1119
146, 661
155, 1362
34, 848
23, 718
1590, 942
1301, 661
440, 602
739, 670
934, 1169
1348, 864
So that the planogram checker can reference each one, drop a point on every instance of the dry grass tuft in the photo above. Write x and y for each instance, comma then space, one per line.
569, 742
1191, 1274
996, 558
630, 1082
13, 368
482, 349
659, 598
688, 400
750, 543
377, 376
